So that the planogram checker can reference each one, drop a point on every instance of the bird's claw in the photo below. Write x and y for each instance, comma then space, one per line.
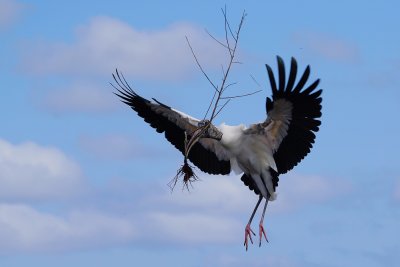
247, 236
262, 232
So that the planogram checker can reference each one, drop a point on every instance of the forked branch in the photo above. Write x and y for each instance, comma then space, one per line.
230, 44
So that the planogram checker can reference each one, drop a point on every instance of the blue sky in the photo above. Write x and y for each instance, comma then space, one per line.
83, 180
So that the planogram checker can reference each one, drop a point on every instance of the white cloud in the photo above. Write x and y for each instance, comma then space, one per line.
218, 207
79, 98
228, 194
330, 47
29, 170
23, 228
215, 212
10, 10
106, 43
213, 193
295, 191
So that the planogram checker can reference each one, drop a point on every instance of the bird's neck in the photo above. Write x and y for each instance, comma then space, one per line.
231, 134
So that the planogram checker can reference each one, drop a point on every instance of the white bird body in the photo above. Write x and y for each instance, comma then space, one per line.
249, 154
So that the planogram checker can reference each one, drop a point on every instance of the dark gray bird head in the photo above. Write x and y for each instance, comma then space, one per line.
211, 131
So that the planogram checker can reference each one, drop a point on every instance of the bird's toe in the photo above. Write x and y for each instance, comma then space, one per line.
262, 233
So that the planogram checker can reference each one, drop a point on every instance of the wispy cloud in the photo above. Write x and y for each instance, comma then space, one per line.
24, 228
78, 98
296, 191
10, 11
31, 171
106, 43
217, 208
214, 193
327, 46
386, 77
228, 194
191, 228
215, 212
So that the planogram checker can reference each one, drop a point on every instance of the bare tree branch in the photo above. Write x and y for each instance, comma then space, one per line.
186, 170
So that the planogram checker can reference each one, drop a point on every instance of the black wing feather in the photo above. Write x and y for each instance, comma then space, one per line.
305, 113
248, 181
302, 80
292, 75
281, 72
272, 80
204, 159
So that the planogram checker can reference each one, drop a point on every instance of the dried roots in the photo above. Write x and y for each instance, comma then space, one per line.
186, 171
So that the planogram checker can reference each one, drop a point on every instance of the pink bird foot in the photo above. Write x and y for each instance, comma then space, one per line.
262, 232
247, 236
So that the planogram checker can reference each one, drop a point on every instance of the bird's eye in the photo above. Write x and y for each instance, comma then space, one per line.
203, 123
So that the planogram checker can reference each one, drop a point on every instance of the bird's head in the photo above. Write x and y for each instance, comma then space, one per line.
211, 131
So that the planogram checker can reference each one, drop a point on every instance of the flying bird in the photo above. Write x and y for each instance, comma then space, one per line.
260, 151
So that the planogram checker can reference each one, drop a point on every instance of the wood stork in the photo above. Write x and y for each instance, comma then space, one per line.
261, 151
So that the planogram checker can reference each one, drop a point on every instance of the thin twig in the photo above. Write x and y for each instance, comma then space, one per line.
228, 25
232, 57
254, 80
230, 97
226, 34
209, 106
229, 85
222, 69
199, 65
215, 39
226, 103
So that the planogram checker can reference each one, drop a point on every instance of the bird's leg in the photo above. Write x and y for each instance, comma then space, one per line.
248, 231
261, 226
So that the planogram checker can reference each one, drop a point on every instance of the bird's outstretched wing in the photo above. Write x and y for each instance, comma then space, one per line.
293, 112
292, 120
208, 155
